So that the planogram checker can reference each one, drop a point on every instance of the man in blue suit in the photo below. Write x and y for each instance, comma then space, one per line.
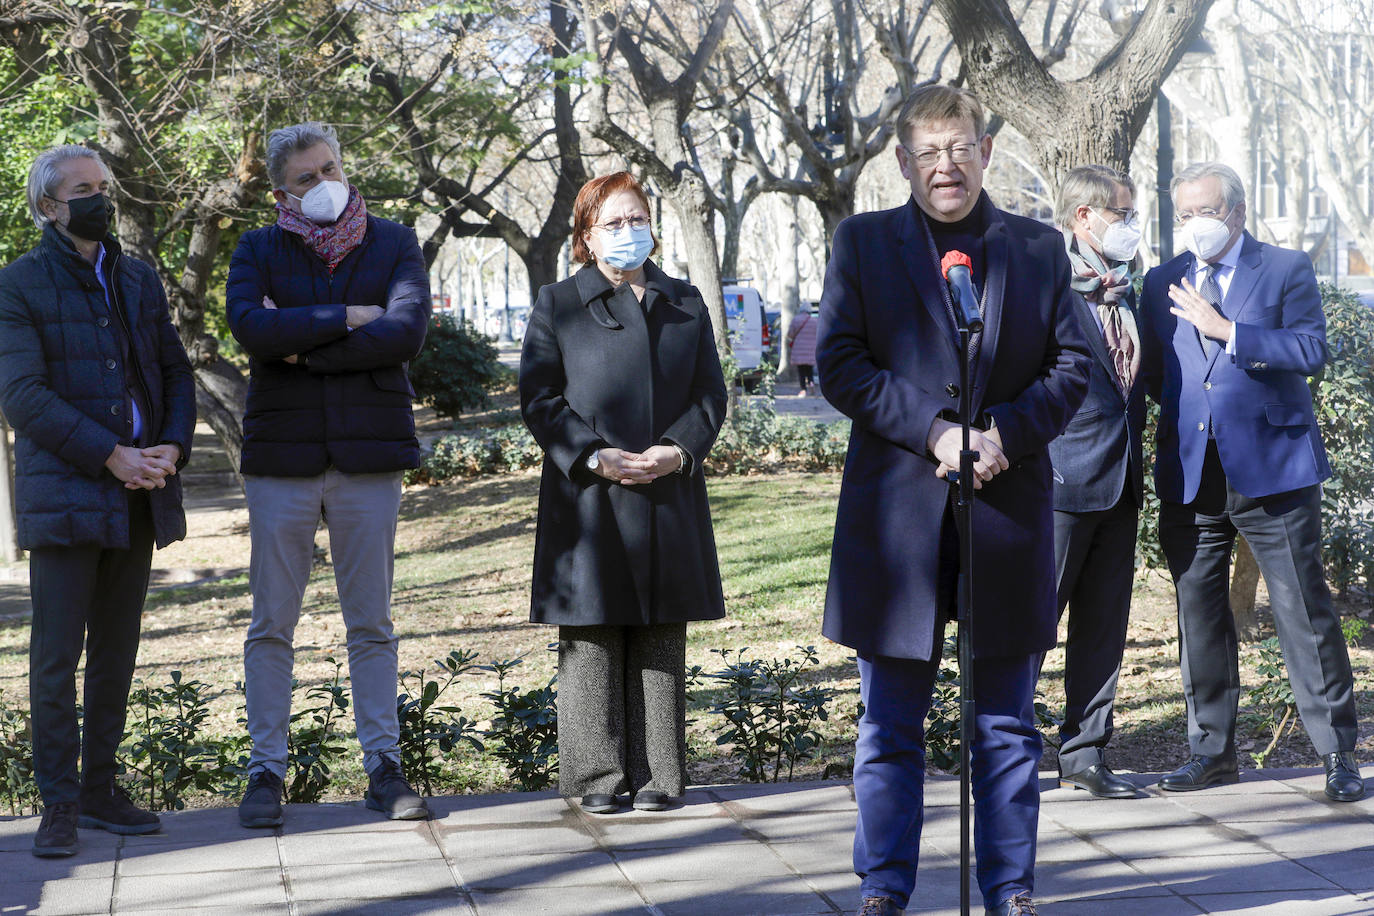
1235, 327
889, 358
1098, 481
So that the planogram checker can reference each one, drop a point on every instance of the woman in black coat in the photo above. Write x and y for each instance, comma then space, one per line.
621, 386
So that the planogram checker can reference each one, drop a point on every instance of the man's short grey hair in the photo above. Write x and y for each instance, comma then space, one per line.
1088, 186
45, 175
282, 143
1232, 189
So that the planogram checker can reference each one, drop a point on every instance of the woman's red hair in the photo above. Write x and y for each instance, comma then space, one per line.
587, 208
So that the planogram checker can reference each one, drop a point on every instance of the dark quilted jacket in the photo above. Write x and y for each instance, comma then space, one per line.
62, 389
350, 405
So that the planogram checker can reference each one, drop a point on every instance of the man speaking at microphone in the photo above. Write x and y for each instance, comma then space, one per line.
889, 356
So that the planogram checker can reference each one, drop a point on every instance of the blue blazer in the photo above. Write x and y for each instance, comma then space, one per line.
1257, 402
1099, 453
888, 358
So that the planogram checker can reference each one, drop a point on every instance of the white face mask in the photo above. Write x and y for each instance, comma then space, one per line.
324, 202
1120, 241
1205, 237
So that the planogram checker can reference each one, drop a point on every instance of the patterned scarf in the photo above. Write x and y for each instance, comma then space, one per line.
1106, 288
333, 242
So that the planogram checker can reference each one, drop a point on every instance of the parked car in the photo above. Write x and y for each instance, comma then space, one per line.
745, 319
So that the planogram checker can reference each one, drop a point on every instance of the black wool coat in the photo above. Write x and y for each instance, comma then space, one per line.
347, 403
62, 388
599, 369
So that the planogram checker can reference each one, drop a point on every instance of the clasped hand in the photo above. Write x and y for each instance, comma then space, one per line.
629, 468
946, 440
144, 468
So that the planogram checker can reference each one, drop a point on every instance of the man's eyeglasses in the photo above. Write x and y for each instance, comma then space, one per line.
959, 153
634, 222
1205, 212
1127, 214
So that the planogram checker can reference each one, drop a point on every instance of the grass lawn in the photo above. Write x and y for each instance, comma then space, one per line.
463, 557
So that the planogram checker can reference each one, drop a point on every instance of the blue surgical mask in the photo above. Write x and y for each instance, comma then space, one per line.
627, 248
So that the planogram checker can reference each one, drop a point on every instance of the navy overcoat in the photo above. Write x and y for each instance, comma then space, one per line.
888, 358
598, 369
349, 404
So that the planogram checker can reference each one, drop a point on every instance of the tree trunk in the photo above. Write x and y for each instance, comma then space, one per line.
1093, 119
1244, 585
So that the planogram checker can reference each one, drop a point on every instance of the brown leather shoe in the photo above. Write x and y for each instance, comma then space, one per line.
879, 906
56, 836
1343, 780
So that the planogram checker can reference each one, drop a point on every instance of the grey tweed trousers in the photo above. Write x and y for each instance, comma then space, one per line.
622, 709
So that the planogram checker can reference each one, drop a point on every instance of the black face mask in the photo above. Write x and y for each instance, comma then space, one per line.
89, 217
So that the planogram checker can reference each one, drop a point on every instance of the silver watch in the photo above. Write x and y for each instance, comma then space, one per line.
594, 460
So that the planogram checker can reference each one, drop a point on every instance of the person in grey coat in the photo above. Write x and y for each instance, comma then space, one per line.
96, 384
621, 386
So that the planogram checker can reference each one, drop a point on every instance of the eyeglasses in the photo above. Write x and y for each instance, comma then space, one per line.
634, 222
959, 153
1127, 214
1205, 213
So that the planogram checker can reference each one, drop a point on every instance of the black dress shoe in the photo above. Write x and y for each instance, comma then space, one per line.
1202, 772
600, 803
1099, 780
1343, 780
650, 800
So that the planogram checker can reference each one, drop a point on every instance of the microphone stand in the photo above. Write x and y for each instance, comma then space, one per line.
963, 522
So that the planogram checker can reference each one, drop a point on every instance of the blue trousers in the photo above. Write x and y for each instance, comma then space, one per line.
890, 769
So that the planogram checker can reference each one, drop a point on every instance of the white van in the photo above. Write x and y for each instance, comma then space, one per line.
744, 316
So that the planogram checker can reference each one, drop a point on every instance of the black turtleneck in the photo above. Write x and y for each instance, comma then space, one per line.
964, 235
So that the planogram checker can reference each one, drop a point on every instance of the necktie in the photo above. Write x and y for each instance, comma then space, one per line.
1209, 290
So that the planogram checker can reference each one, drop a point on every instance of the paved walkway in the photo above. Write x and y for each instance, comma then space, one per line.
1271, 845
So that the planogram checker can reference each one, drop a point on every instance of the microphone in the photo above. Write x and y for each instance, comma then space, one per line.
956, 267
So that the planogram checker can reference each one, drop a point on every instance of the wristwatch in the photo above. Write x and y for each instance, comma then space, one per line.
594, 459
681, 458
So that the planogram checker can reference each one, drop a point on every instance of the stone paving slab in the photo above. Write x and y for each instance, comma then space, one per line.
1272, 845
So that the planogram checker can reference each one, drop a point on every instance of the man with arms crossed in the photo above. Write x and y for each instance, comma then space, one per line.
330, 302
889, 358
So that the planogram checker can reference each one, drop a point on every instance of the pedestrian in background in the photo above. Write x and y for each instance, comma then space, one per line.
330, 302
621, 386
1098, 481
801, 339
95, 382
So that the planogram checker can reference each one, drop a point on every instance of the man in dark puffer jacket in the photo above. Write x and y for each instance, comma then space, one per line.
330, 303
98, 388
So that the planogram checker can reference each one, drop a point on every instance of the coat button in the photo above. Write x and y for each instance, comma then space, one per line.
114, 409
1206, 386
102, 321
1201, 427
109, 364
